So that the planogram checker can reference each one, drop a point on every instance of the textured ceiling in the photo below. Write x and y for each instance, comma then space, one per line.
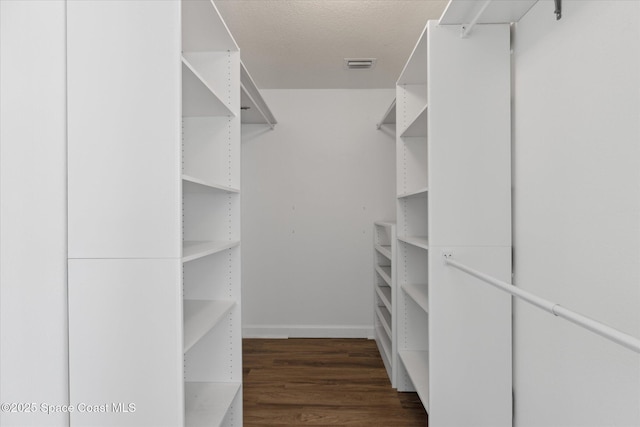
301, 44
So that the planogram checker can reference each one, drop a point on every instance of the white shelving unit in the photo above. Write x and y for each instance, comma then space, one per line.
211, 219
154, 212
385, 294
453, 195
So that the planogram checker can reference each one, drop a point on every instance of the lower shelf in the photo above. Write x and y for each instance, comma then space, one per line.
384, 317
384, 347
416, 364
206, 404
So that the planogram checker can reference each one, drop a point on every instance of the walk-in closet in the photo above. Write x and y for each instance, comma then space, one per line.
319, 212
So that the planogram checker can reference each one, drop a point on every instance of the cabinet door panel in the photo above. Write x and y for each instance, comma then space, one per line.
125, 342
124, 129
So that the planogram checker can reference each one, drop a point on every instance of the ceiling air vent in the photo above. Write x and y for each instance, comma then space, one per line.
359, 63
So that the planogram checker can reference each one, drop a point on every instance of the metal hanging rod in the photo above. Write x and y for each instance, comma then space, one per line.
594, 326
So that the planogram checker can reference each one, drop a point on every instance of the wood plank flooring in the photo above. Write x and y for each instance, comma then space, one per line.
322, 382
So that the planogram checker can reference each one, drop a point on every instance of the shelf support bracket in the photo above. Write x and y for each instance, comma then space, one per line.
466, 29
558, 10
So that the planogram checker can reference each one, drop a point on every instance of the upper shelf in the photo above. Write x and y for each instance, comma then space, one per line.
415, 70
389, 117
203, 29
418, 126
199, 96
254, 108
463, 12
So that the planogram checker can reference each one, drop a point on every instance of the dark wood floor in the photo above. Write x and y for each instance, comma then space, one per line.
331, 382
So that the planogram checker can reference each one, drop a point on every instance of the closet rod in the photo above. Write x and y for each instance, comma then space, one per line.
594, 326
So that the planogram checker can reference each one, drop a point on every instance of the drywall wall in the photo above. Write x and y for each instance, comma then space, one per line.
33, 289
311, 190
577, 211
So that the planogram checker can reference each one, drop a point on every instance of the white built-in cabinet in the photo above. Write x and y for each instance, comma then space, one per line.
154, 213
453, 335
385, 294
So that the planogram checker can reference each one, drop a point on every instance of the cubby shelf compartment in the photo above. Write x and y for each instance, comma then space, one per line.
384, 293
416, 364
206, 404
384, 250
385, 273
200, 316
385, 319
197, 249
194, 184
417, 293
199, 97
420, 242
418, 126
421, 192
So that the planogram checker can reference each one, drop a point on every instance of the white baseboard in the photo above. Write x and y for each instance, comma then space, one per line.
306, 331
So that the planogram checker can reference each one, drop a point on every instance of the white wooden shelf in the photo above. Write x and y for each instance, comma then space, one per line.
418, 126
384, 341
199, 97
254, 109
384, 293
418, 293
385, 273
193, 184
206, 404
203, 29
385, 242
200, 316
416, 193
415, 70
197, 249
384, 250
420, 242
385, 318
463, 12
417, 365
389, 117
385, 223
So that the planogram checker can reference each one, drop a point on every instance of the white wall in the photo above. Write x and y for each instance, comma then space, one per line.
577, 211
311, 190
33, 290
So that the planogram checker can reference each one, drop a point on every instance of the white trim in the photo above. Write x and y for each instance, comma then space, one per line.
307, 331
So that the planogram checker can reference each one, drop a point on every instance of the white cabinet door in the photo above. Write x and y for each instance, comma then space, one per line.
124, 129
125, 343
